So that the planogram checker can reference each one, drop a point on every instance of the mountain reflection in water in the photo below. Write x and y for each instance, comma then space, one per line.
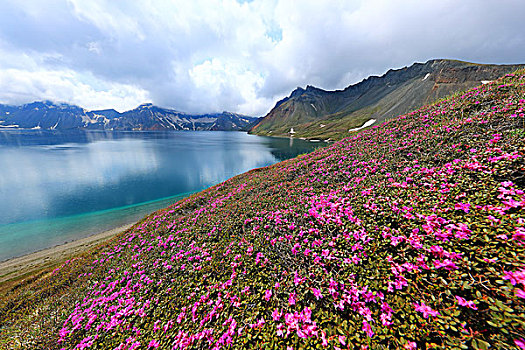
50, 178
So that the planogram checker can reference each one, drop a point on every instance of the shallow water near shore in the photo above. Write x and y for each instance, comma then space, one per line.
60, 186
27, 237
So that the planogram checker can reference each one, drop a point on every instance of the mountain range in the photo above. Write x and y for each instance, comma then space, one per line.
53, 116
317, 113
310, 113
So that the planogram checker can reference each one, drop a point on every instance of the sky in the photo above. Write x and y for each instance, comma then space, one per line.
201, 56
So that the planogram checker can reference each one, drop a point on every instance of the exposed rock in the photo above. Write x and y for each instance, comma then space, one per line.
396, 92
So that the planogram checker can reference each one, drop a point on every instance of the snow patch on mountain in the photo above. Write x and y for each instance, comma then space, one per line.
366, 124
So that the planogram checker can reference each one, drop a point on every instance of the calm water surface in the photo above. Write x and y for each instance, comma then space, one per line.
60, 186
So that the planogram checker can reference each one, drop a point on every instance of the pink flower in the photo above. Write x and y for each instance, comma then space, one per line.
260, 323
447, 264
181, 316
516, 277
368, 329
134, 345
267, 295
297, 279
63, 332
462, 206
511, 203
317, 293
258, 257
520, 343
153, 344
464, 302
425, 310
323, 339
410, 345
276, 315
519, 234
291, 298
385, 319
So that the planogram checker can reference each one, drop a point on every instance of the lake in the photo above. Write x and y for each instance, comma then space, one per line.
60, 186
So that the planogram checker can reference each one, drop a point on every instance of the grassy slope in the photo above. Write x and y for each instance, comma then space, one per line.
395, 93
407, 234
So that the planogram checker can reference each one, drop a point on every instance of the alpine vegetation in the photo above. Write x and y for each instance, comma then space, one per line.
409, 234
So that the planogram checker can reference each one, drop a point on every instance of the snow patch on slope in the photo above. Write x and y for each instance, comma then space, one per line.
368, 123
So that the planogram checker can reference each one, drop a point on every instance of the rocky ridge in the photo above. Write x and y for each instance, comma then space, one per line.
317, 113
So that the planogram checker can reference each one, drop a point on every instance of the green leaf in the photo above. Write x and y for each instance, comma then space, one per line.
483, 344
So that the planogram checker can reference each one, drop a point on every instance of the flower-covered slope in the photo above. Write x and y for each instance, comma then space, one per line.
408, 235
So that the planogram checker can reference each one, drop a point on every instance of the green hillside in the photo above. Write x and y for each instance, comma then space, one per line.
316, 113
409, 235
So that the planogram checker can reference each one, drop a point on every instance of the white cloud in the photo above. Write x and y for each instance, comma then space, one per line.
227, 84
206, 55
21, 86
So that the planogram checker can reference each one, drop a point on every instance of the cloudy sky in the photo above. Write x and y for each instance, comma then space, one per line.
240, 56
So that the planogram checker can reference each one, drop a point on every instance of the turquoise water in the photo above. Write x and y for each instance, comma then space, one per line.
56, 187
15, 238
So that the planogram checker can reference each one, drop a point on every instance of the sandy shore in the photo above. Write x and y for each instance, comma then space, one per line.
26, 264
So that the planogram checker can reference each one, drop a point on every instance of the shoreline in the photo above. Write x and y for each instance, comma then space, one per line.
16, 267
33, 262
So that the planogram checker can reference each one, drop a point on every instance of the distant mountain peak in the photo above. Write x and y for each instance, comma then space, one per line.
60, 116
313, 88
297, 92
